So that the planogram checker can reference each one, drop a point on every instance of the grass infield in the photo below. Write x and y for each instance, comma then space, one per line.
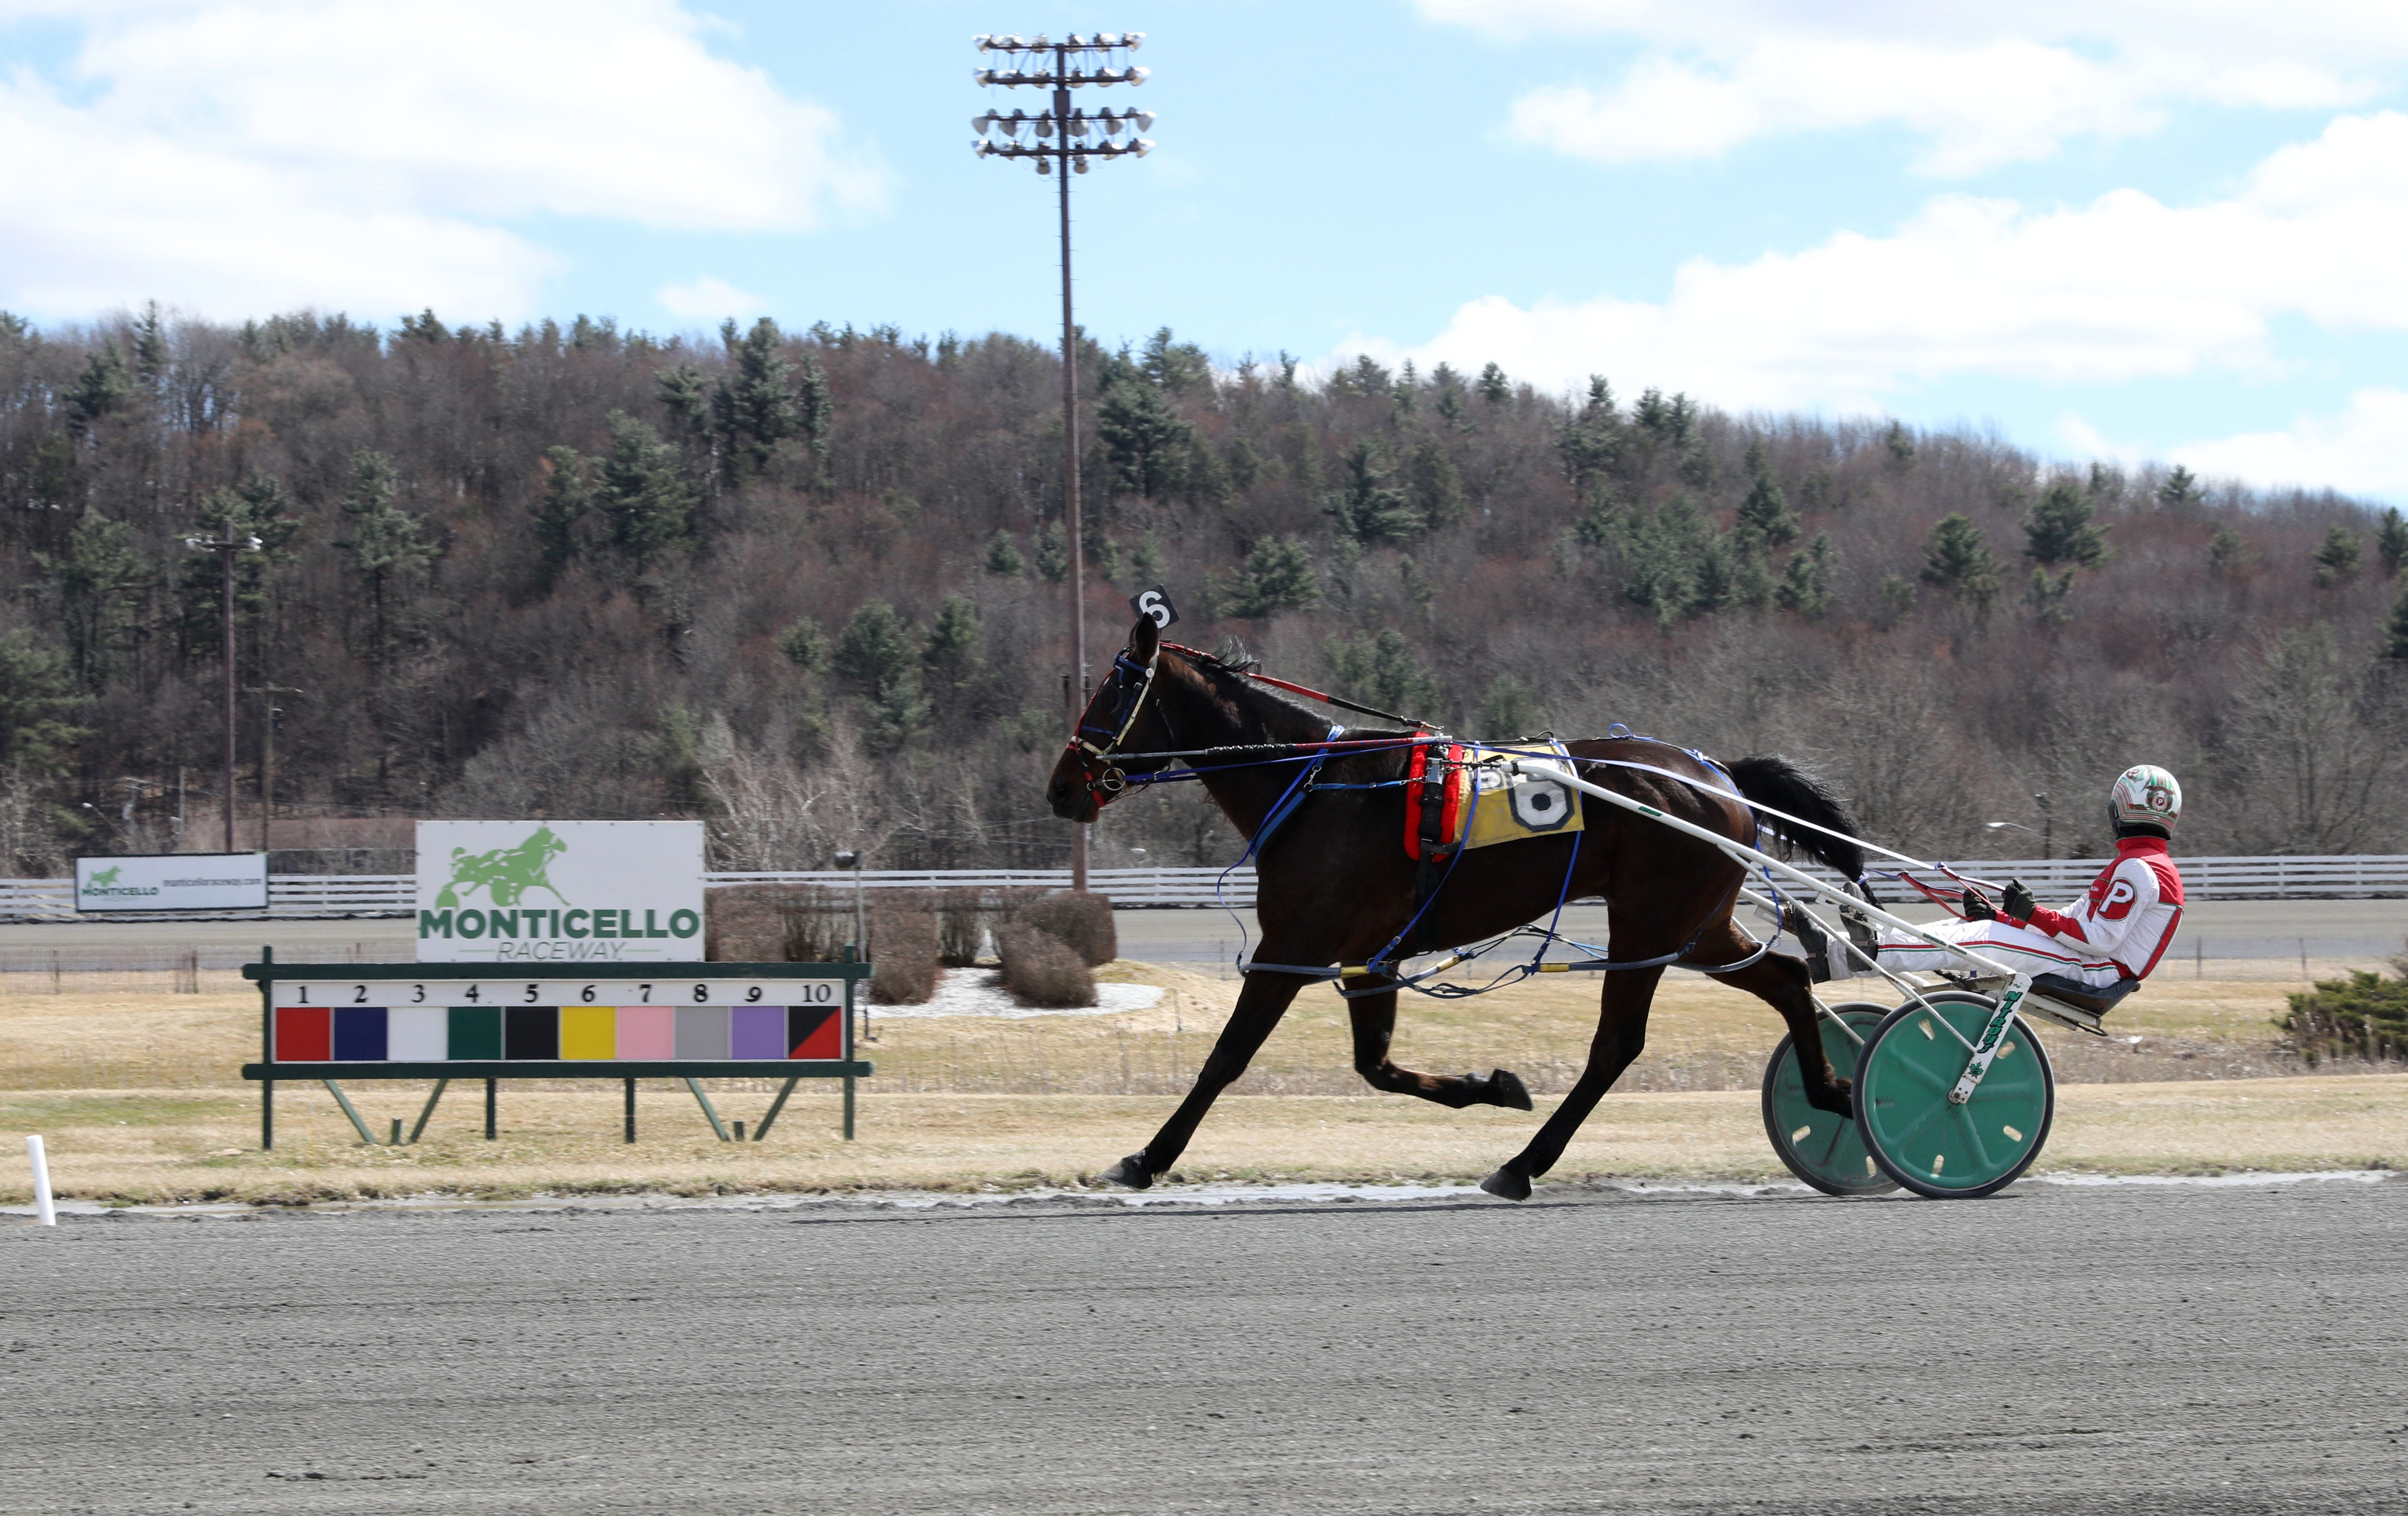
138, 1098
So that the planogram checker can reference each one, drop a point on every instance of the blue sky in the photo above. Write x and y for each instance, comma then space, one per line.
2139, 229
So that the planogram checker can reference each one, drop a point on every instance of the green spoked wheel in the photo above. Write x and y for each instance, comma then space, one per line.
1823, 1150
1916, 1135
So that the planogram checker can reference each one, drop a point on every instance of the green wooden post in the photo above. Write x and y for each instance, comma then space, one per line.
415, 1132
631, 1110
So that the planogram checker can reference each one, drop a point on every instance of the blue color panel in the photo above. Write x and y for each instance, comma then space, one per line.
359, 1034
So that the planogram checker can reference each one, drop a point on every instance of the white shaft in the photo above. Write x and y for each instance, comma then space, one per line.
45, 1210
1561, 773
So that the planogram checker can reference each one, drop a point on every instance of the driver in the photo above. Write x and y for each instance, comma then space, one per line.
2118, 930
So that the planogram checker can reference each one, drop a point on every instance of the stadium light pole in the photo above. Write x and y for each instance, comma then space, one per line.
226, 547
1061, 141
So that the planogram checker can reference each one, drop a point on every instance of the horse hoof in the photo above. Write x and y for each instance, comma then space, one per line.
1505, 1088
1130, 1171
1839, 1100
1506, 1185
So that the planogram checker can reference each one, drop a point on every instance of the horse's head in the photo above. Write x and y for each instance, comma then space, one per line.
1124, 720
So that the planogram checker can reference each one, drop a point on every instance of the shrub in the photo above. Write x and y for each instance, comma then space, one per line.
767, 923
1084, 922
1041, 969
904, 933
961, 916
2364, 1015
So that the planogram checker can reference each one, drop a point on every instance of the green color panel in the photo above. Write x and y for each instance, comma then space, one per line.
475, 1032
1823, 1150
1929, 1144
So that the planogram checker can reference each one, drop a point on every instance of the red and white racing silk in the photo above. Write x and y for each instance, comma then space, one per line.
2130, 912
2116, 931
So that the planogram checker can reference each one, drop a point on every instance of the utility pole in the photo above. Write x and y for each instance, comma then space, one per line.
226, 547
267, 752
1062, 140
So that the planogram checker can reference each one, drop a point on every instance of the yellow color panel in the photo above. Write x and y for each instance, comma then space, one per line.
589, 1032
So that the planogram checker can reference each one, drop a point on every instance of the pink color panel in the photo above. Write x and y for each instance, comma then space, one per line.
647, 1032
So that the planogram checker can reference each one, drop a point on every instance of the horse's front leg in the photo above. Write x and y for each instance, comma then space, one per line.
1783, 983
1621, 1035
1260, 1005
1374, 1017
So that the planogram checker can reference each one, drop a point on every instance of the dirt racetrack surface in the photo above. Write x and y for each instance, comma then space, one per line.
2059, 1349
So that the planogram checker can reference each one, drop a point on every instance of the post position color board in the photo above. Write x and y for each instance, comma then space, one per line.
538, 1020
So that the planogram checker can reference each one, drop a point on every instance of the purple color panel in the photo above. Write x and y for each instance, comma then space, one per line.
757, 1032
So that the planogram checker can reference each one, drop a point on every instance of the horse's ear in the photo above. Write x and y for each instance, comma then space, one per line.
1145, 637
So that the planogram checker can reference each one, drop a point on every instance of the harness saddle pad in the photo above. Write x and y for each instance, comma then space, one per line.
1453, 802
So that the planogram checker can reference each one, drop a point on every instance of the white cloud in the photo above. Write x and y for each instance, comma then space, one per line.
2124, 288
240, 155
1980, 86
710, 298
2358, 451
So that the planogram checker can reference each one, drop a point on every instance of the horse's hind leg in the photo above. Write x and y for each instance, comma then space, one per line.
1621, 1035
1375, 1024
1783, 983
1260, 1005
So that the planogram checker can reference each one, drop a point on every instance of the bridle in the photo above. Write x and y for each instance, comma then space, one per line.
1106, 784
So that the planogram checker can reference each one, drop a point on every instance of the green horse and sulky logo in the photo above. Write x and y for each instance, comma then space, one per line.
506, 874
514, 929
102, 884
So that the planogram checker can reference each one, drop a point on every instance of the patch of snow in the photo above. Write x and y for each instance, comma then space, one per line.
980, 992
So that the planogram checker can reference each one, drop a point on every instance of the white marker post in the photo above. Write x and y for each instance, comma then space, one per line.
44, 1210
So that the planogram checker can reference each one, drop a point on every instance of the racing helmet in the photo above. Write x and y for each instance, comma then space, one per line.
2145, 796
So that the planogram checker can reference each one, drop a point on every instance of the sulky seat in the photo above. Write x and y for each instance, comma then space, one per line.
2098, 1000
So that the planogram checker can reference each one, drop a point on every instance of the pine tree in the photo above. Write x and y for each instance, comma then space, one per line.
101, 389
37, 695
2180, 489
1436, 487
954, 649
1278, 575
1381, 670
1493, 387
753, 407
2227, 552
1053, 553
2059, 530
643, 500
1368, 508
1592, 443
383, 543
804, 643
1508, 710
2337, 557
258, 508
1957, 559
1806, 581
1765, 519
2395, 631
152, 354
567, 496
1144, 437
2392, 542
875, 652
1003, 558
100, 583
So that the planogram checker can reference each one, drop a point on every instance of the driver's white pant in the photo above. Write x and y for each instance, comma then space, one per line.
2026, 947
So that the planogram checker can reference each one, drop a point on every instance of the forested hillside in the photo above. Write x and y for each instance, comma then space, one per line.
807, 585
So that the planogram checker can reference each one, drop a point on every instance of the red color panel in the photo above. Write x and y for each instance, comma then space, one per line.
815, 1030
304, 1035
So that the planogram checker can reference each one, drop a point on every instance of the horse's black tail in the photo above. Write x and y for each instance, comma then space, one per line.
1775, 781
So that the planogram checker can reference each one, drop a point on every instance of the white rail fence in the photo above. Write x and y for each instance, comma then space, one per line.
330, 896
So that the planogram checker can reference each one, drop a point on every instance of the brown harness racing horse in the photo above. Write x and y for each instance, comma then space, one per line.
1334, 886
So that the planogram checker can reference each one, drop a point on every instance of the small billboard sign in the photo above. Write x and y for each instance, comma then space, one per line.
173, 881
559, 891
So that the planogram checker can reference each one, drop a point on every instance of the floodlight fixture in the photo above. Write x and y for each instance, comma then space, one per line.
1062, 143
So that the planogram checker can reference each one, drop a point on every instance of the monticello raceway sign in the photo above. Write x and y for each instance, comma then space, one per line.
559, 891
